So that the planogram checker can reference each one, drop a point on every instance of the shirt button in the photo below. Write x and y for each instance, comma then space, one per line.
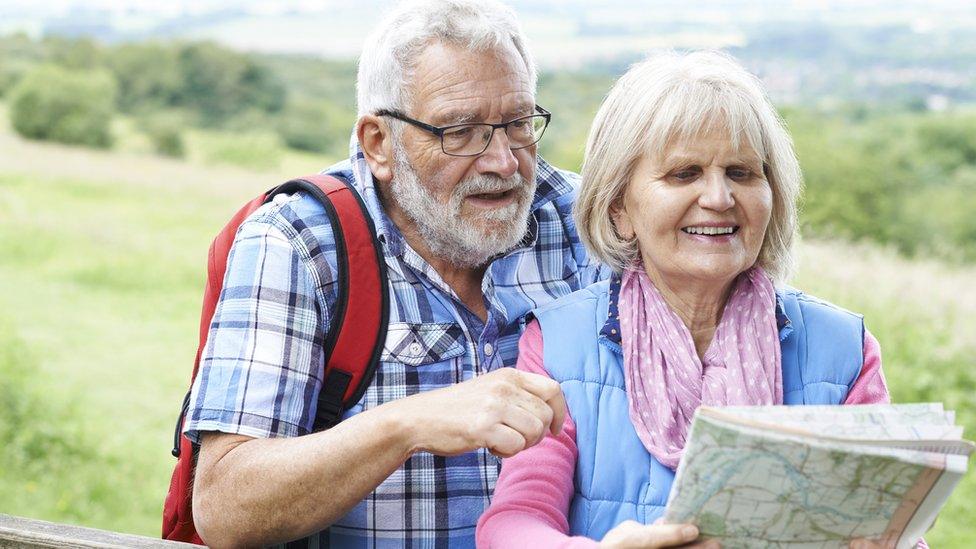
489, 349
415, 348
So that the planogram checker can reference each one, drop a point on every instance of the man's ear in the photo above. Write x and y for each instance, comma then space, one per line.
376, 141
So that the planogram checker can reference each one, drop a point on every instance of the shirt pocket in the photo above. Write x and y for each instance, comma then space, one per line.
421, 344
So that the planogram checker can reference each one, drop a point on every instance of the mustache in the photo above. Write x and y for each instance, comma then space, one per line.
485, 184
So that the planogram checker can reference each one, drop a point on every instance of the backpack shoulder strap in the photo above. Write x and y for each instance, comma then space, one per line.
354, 342
352, 345
358, 324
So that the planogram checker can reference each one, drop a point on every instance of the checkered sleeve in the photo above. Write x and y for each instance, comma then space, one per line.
260, 370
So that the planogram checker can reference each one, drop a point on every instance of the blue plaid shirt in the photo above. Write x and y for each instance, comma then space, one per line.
261, 368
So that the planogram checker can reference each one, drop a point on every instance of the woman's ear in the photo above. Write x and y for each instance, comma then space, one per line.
621, 220
376, 142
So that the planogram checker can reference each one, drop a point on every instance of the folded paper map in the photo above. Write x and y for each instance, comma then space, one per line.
817, 476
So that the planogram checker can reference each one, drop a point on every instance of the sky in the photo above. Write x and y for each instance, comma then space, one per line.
563, 32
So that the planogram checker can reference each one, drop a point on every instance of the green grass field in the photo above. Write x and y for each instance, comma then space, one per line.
102, 262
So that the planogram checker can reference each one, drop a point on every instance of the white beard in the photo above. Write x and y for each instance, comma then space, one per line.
464, 242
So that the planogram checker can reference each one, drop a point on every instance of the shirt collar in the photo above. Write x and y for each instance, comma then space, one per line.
611, 328
551, 183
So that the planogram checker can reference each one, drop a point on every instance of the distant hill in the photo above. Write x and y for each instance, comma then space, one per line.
910, 51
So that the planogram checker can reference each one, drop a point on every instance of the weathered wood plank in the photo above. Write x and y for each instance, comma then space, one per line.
25, 532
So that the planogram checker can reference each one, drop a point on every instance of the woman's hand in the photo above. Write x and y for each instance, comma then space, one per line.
634, 535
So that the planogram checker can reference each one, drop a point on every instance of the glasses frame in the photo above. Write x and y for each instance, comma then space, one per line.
439, 131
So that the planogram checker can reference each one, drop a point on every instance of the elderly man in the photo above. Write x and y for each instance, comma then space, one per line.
476, 231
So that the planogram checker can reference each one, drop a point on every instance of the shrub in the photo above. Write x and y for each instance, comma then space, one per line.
8, 78
148, 75
53, 466
166, 135
218, 84
36, 434
309, 126
904, 179
74, 107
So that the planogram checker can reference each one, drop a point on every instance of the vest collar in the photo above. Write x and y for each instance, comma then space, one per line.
610, 333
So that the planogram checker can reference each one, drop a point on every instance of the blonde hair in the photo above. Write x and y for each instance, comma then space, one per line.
665, 99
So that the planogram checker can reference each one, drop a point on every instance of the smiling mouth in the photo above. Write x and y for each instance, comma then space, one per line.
711, 231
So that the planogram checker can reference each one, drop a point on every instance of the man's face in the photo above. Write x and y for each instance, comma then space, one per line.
467, 209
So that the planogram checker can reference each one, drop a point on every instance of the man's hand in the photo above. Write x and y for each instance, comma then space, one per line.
505, 411
634, 535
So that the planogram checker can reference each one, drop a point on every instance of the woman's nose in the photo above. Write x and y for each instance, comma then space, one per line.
717, 192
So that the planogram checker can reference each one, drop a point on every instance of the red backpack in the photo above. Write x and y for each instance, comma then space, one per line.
352, 345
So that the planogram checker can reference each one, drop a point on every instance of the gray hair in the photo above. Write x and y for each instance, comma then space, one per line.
670, 97
390, 53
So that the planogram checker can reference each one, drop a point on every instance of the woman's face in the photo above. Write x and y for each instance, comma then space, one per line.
699, 211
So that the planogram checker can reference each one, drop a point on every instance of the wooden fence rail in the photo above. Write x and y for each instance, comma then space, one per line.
25, 532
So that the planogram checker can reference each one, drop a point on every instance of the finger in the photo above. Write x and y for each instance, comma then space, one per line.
531, 404
863, 543
668, 535
552, 394
622, 535
529, 425
503, 441
704, 544
541, 386
555, 403
558, 406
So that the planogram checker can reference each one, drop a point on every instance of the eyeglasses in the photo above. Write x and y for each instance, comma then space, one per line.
473, 139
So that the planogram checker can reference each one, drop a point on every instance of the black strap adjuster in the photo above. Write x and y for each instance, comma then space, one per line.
330, 405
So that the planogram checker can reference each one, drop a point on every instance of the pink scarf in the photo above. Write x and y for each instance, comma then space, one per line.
666, 382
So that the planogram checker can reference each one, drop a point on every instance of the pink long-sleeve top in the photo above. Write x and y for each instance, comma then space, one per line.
533, 492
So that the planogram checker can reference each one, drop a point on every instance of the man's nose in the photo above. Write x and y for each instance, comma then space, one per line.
498, 158
717, 192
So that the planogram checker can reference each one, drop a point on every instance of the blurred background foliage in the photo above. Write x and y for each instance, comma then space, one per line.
103, 246
873, 171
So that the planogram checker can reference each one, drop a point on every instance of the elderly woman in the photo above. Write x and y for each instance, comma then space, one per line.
689, 192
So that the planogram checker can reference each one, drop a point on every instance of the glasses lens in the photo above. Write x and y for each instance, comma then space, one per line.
525, 131
473, 139
469, 139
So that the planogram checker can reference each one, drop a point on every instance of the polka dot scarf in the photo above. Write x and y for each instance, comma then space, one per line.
666, 381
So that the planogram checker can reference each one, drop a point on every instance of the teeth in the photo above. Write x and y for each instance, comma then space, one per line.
709, 230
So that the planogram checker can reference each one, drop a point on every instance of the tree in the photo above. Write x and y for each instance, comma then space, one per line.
148, 76
57, 104
72, 53
313, 126
219, 83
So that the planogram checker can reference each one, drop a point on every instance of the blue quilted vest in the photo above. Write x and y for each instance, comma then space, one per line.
616, 478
